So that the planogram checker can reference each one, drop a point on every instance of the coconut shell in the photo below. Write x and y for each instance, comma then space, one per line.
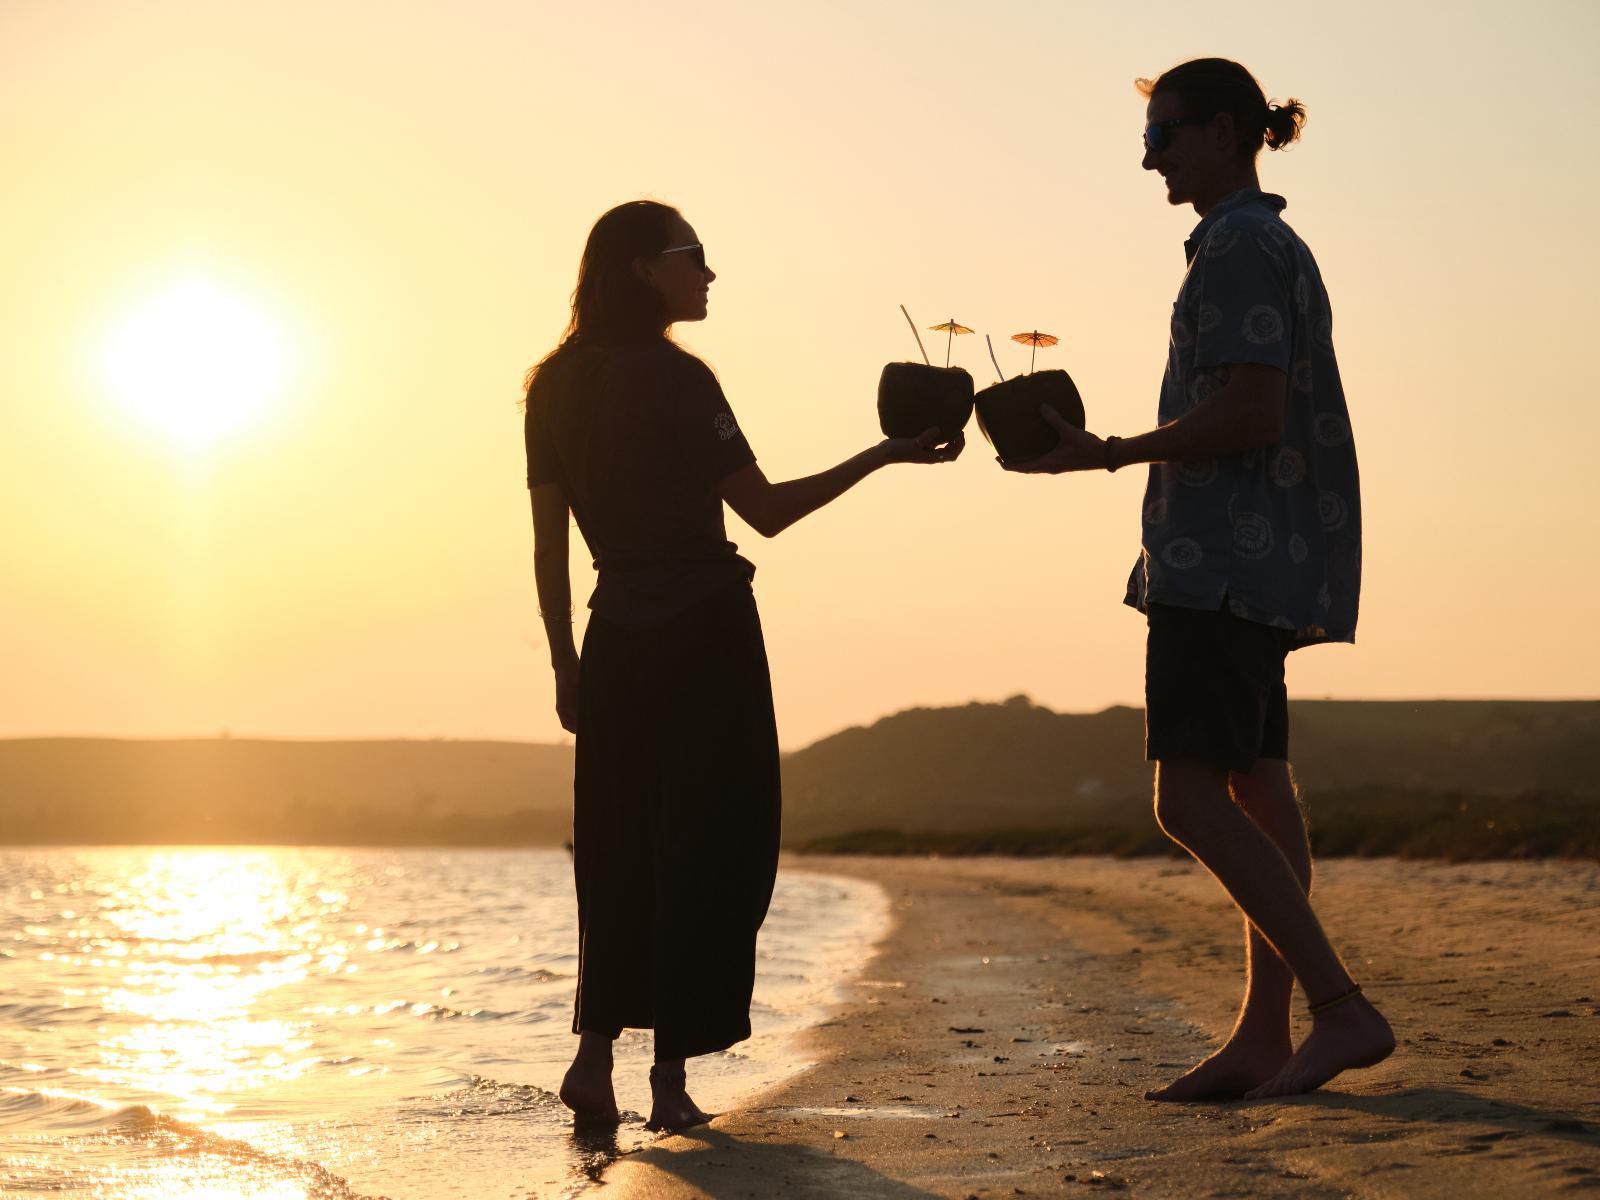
913, 397
1008, 413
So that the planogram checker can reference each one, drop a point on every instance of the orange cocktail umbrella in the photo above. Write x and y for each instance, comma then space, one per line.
1035, 339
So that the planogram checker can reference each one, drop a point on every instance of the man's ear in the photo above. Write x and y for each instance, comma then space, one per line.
1223, 131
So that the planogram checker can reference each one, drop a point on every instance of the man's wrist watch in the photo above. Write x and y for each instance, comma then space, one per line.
1111, 462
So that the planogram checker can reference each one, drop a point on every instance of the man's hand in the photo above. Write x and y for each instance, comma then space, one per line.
1077, 450
927, 447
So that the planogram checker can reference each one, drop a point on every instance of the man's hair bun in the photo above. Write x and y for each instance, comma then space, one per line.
1283, 123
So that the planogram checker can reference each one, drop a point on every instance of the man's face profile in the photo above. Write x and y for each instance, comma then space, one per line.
1194, 157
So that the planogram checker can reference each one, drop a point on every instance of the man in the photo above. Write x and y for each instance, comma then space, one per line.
1251, 548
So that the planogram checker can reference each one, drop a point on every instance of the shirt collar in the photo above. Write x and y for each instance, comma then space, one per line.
1238, 200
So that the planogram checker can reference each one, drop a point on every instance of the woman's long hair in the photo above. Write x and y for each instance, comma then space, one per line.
611, 305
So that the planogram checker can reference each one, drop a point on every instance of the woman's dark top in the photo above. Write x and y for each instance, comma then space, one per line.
638, 437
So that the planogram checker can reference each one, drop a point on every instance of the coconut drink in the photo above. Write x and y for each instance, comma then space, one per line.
914, 397
1008, 413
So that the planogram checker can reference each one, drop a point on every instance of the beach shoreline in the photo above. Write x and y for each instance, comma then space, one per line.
1000, 1041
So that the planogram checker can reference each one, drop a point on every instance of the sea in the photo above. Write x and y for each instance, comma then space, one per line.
263, 1023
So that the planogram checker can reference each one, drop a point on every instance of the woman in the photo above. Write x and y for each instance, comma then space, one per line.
675, 828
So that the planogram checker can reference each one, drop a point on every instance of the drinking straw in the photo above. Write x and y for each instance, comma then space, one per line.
993, 359
916, 335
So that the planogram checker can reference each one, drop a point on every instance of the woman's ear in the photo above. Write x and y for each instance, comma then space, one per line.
643, 273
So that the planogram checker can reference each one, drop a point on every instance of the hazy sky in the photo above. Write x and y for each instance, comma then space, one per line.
395, 195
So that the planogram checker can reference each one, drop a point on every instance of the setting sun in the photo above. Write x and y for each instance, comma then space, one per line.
196, 362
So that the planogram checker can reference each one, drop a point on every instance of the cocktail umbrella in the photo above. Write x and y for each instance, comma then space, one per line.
951, 328
1035, 339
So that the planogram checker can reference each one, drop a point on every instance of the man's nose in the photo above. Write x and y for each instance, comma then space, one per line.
1148, 162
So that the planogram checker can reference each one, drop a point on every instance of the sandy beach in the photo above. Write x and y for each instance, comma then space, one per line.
1000, 1042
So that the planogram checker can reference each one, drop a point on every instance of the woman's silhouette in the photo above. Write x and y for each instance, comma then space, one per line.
675, 828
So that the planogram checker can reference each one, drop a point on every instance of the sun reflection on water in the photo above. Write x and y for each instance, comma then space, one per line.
205, 943
313, 1023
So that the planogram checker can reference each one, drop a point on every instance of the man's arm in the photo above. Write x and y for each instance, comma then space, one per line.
1244, 411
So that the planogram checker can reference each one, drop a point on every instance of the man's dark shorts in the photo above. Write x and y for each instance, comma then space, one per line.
1213, 688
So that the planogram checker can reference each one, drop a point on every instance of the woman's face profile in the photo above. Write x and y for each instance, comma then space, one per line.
678, 276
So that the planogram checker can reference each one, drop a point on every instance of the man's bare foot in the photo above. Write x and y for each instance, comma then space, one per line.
586, 1090
1228, 1074
671, 1109
1350, 1036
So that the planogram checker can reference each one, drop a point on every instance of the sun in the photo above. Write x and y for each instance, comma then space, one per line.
196, 362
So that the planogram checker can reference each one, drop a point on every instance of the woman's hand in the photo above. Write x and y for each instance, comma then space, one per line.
930, 446
567, 696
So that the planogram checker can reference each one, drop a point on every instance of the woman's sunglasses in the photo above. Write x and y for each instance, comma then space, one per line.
1155, 133
695, 251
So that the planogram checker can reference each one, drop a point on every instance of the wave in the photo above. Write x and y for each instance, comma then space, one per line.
443, 1012
24, 1111
522, 974
132, 1128
482, 1096
32, 1016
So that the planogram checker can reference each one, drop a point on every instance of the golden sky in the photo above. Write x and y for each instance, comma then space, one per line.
356, 224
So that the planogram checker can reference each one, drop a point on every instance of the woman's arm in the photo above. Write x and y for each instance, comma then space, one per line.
770, 508
555, 595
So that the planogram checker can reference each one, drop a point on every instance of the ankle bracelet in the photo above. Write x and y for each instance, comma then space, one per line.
667, 1074
1336, 1001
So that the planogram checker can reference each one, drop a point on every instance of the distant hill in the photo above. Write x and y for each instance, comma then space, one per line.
101, 790
931, 777
1016, 763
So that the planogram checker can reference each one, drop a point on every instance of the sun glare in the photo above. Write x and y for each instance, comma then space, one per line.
196, 362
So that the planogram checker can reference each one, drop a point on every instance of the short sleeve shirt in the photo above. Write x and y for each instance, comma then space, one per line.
639, 437
1273, 533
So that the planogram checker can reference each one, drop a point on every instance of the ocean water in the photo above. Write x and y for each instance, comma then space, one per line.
279, 1024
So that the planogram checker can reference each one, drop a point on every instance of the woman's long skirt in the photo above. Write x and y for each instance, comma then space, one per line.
676, 823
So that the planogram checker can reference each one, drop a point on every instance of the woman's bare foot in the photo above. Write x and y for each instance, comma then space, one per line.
671, 1109
1344, 1038
586, 1088
1243, 1063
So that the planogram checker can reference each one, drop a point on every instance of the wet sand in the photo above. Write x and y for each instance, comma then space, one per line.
1000, 1042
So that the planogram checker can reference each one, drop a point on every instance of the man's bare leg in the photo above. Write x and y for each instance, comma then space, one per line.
1195, 809
586, 1089
1260, 1043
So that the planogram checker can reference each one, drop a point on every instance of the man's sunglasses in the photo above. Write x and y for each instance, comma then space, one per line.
1155, 133
695, 251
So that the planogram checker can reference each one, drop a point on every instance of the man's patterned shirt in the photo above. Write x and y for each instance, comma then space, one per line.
1274, 533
